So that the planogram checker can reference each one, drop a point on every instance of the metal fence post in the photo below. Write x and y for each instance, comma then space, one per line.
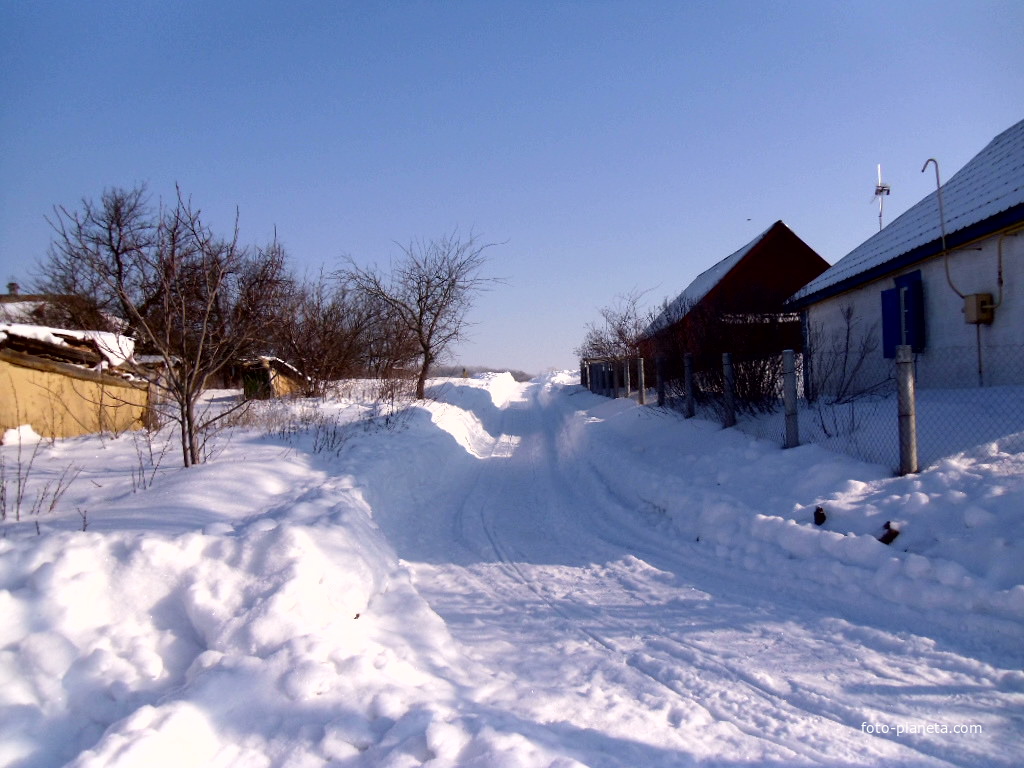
907, 408
729, 418
659, 376
691, 409
789, 398
640, 388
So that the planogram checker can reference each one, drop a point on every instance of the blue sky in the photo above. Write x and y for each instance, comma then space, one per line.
607, 146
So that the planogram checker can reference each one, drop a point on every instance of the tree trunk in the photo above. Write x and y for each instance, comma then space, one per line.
421, 380
421, 384
183, 413
193, 437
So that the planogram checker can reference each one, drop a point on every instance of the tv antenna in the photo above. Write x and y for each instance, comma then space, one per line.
882, 191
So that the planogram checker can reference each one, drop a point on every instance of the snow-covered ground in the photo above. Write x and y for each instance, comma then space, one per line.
516, 575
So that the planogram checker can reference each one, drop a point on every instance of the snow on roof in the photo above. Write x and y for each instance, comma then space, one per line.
992, 182
115, 348
18, 311
702, 285
288, 367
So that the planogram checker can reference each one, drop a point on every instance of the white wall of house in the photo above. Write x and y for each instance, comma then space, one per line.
951, 354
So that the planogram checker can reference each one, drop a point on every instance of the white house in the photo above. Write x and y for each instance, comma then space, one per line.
946, 277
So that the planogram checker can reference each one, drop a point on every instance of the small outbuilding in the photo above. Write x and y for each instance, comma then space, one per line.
267, 377
737, 305
66, 383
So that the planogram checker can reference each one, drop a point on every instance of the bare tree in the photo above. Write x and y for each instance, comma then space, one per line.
392, 351
618, 336
842, 360
427, 295
199, 301
326, 331
117, 230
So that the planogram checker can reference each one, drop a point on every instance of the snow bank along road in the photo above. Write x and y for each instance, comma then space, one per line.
602, 628
523, 576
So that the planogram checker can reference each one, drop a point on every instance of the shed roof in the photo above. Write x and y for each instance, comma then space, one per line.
112, 348
703, 284
20, 309
984, 196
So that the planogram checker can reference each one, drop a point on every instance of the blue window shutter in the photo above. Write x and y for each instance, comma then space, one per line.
913, 309
903, 320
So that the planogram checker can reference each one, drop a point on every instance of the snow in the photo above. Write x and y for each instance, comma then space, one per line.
18, 311
510, 575
115, 348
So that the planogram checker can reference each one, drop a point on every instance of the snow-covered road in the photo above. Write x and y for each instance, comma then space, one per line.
601, 633
508, 576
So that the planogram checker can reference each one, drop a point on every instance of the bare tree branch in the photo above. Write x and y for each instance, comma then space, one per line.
618, 336
428, 294
198, 301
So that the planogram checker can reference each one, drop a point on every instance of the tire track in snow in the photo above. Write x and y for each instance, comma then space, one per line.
798, 702
802, 697
719, 699
799, 721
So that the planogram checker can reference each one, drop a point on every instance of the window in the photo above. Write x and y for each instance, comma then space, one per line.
903, 314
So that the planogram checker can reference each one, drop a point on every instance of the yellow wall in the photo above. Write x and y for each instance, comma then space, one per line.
63, 401
282, 385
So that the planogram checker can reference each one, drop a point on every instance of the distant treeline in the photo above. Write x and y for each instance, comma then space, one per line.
472, 370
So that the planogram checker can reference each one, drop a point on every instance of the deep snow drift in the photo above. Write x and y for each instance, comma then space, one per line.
514, 575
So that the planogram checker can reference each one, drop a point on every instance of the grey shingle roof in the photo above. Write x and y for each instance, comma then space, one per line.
989, 185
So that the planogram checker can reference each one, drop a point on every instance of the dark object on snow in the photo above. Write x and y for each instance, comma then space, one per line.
819, 516
890, 534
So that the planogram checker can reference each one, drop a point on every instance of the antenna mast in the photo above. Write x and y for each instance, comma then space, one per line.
881, 192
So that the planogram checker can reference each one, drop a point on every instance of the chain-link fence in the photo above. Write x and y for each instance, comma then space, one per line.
960, 401
865, 426
965, 400
957, 406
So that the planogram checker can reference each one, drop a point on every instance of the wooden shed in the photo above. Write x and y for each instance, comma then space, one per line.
737, 305
268, 377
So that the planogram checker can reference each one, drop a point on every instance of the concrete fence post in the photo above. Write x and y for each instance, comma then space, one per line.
906, 404
626, 382
640, 384
616, 380
789, 398
729, 417
691, 406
